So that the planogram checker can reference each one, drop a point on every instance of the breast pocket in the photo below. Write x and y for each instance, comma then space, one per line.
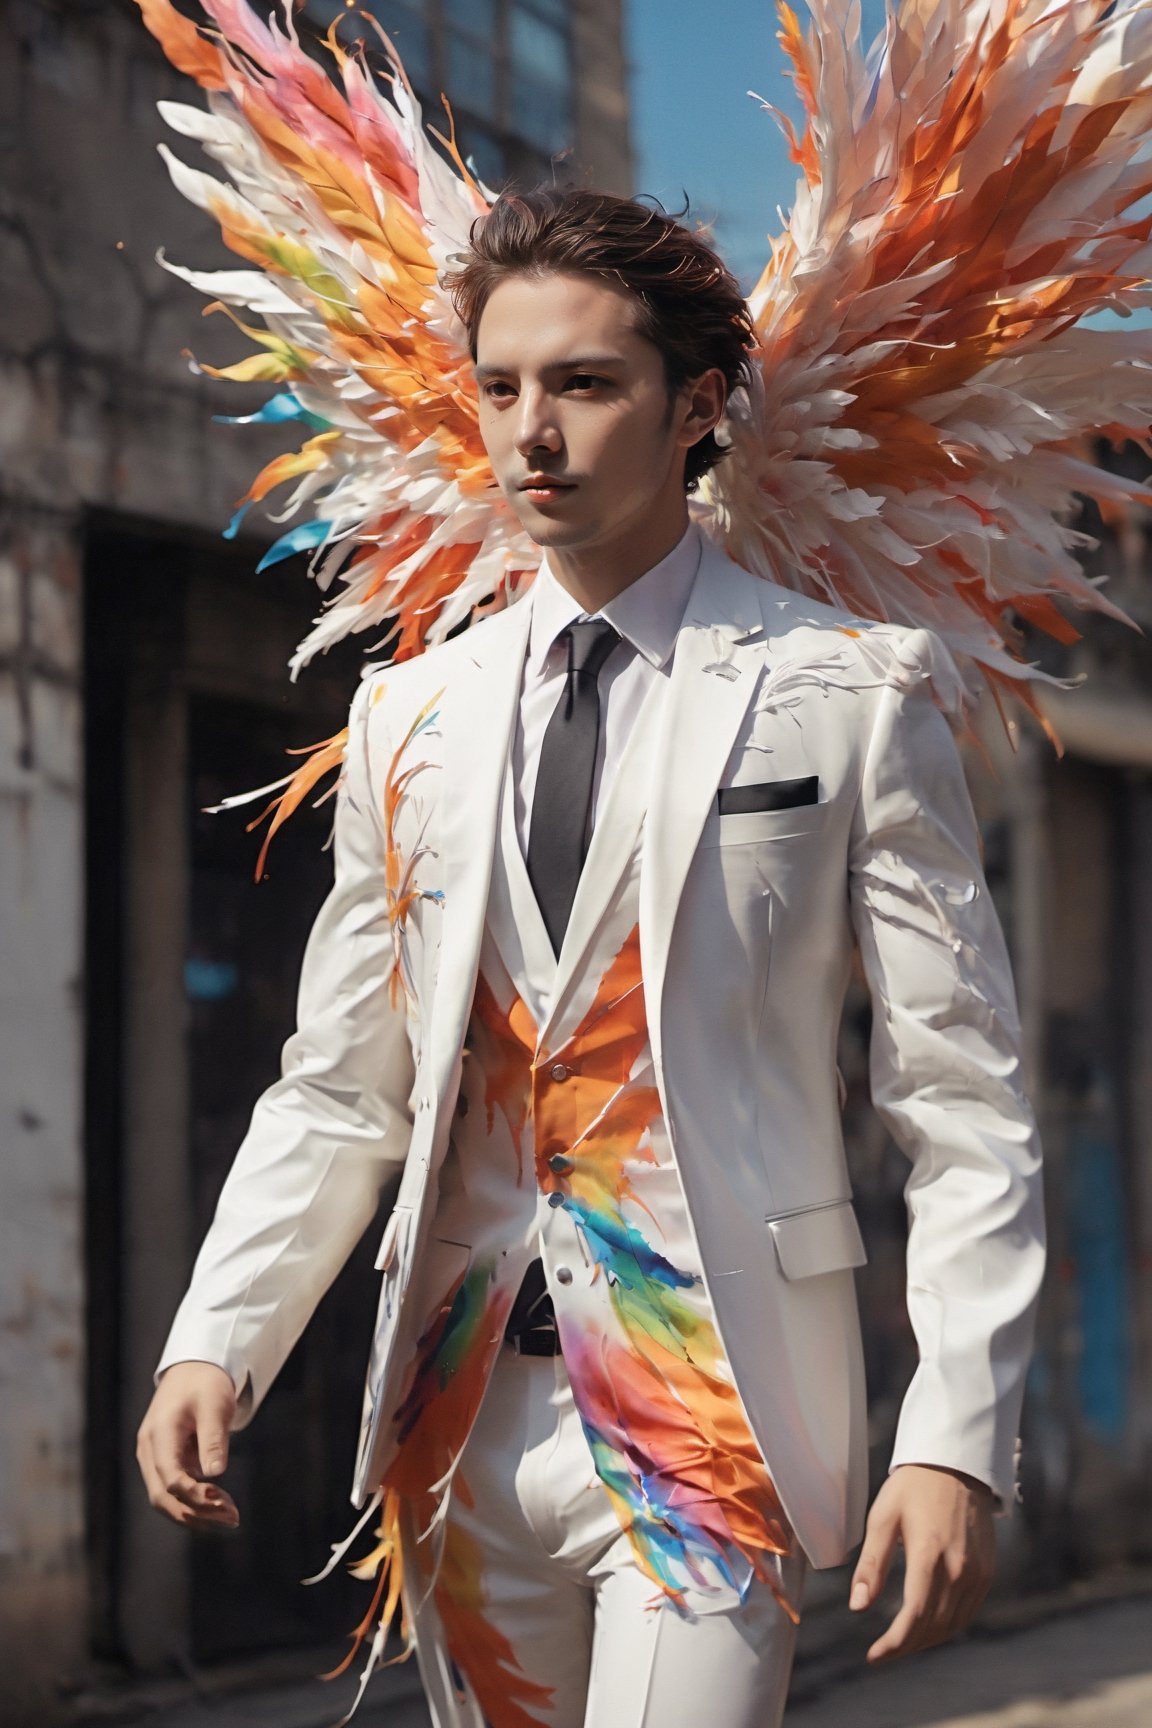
756, 827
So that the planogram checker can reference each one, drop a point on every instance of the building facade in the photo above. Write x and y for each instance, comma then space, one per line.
537, 87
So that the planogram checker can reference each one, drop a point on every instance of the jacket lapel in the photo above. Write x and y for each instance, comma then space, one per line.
719, 655
479, 711
619, 819
714, 674
515, 920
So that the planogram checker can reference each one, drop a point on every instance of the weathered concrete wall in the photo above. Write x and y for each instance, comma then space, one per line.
42, 1580
97, 409
98, 405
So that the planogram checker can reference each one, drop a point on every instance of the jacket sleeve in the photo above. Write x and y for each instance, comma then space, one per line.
324, 1138
946, 1080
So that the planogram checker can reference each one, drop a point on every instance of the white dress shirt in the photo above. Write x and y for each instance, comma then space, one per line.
647, 616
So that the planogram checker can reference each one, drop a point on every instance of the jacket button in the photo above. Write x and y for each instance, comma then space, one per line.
563, 1275
555, 1200
559, 1072
560, 1164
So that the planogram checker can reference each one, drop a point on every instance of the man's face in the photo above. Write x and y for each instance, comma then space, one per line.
575, 411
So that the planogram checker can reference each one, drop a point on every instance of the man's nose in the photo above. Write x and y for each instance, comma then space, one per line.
536, 427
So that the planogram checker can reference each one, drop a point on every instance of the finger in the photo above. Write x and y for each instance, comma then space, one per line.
871, 1570
170, 1446
911, 1625
910, 1630
940, 1595
897, 1639
185, 1500
188, 1519
970, 1597
208, 1501
212, 1441
219, 1500
153, 1486
968, 1577
210, 1508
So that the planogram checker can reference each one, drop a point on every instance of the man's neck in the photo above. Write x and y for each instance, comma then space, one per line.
594, 576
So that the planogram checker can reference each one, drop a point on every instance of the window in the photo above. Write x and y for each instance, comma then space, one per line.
538, 47
470, 75
539, 51
471, 56
541, 115
505, 65
477, 17
555, 11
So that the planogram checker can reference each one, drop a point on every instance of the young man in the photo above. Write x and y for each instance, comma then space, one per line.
600, 863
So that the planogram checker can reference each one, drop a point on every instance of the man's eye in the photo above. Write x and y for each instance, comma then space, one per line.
585, 381
498, 390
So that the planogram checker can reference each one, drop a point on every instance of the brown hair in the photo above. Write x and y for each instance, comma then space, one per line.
690, 304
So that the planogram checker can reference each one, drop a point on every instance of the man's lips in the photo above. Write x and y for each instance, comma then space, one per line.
545, 483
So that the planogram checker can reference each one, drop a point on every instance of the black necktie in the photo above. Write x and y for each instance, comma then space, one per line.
557, 838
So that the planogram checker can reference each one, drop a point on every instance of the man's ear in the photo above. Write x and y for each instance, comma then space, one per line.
705, 399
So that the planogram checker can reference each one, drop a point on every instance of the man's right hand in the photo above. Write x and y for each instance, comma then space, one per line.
183, 1444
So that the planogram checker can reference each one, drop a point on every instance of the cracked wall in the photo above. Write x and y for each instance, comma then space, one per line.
98, 412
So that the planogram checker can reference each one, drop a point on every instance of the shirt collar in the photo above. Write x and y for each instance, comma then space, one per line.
648, 613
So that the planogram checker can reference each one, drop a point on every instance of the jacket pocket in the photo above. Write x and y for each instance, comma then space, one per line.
822, 1238
736, 828
768, 795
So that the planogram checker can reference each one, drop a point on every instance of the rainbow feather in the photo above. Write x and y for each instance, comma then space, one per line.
345, 213
913, 446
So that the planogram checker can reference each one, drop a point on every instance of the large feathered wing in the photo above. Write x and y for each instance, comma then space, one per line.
346, 213
925, 390
925, 387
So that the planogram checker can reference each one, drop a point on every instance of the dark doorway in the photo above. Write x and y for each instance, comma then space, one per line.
190, 992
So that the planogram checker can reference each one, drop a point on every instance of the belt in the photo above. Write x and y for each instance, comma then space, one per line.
531, 1328
536, 1343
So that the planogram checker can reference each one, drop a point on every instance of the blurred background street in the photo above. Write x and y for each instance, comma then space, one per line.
1069, 1661
147, 982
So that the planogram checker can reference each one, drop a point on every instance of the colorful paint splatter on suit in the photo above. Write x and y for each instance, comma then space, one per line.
664, 1422
443, 1392
479, 1651
401, 889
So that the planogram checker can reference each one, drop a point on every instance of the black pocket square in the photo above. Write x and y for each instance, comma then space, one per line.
770, 795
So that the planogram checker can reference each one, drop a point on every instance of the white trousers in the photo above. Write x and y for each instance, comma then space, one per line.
540, 1614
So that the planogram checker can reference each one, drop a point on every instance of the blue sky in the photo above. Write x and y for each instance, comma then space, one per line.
695, 130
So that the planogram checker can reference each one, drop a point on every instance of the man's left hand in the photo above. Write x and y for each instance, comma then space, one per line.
943, 1520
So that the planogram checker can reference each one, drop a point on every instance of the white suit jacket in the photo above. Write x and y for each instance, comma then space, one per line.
747, 923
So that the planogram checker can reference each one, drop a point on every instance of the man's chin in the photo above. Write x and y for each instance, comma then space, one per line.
547, 531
